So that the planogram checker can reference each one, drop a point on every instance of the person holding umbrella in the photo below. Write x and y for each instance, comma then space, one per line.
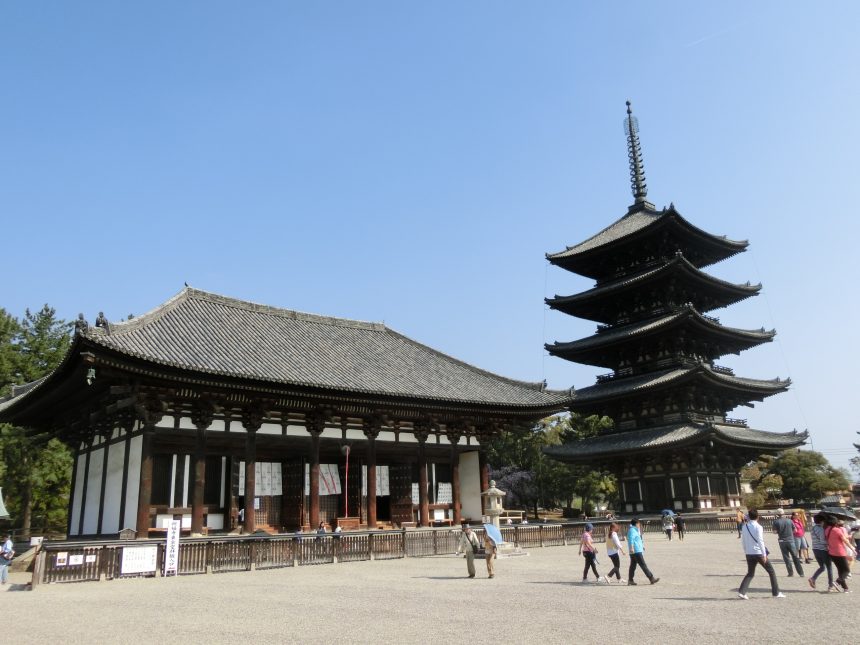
668, 524
838, 545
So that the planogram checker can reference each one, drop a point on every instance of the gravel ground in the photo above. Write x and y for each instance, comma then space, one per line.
421, 600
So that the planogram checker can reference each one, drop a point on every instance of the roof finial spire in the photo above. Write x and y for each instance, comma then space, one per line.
634, 153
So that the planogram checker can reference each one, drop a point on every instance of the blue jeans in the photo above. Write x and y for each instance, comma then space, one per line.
789, 555
4, 570
824, 563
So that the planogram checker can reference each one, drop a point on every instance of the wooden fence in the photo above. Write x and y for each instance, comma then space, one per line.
103, 560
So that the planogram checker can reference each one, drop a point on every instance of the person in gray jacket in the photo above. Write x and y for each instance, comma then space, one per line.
784, 528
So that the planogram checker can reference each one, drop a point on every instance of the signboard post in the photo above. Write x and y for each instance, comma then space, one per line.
171, 550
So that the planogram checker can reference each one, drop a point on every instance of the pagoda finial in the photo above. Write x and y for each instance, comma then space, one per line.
634, 153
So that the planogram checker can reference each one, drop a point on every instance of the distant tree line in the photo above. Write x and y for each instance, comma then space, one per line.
804, 476
532, 480
35, 471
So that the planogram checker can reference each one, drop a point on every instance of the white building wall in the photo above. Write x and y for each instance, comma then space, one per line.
94, 488
470, 486
113, 488
132, 489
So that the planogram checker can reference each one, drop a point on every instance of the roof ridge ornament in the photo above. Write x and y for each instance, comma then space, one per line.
634, 154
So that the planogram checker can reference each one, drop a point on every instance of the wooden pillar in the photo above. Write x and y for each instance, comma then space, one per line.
250, 479
199, 482
454, 438
149, 409
202, 419
144, 491
314, 483
315, 423
71, 504
83, 510
252, 419
106, 435
485, 477
423, 502
371, 431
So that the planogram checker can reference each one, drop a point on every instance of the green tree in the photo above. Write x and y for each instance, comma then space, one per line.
806, 475
35, 471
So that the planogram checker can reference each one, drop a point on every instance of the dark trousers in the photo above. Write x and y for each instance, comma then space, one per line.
616, 566
638, 559
824, 562
752, 561
589, 564
680, 530
789, 554
842, 569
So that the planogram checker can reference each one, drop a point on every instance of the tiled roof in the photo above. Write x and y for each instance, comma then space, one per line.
644, 382
673, 266
644, 328
664, 437
634, 222
212, 334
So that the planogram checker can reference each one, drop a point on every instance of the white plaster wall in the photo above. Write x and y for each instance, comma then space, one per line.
94, 485
113, 488
78, 489
270, 428
386, 435
132, 489
296, 431
185, 423
470, 486
352, 433
215, 521
332, 433
407, 437
217, 425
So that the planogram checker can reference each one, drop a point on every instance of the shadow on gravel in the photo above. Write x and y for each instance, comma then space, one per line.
568, 583
701, 598
441, 578
16, 587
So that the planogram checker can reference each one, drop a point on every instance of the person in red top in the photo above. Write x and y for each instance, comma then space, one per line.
837, 548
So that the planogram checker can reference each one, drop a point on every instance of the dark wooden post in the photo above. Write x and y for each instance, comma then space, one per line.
371, 431
144, 494
485, 477
315, 424
454, 438
106, 432
422, 432
150, 410
252, 419
202, 419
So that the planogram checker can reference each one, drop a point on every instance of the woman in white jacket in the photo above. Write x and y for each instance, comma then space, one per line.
613, 547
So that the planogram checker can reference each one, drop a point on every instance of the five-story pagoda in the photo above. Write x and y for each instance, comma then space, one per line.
672, 445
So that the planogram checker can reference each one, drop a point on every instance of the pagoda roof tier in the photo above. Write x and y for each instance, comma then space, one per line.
631, 236
198, 336
606, 302
603, 348
745, 389
650, 440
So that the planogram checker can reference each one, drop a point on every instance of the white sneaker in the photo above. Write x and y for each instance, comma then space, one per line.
743, 596
780, 595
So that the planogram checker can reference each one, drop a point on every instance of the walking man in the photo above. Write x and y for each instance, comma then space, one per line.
7, 552
784, 528
752, 539
680, 526
637, 549
469, 545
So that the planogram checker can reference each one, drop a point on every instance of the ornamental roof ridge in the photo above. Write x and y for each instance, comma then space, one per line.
190, 293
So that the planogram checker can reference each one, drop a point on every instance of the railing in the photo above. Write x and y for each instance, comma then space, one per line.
102, 560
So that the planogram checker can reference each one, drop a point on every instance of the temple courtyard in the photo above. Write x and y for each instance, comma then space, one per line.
536, 598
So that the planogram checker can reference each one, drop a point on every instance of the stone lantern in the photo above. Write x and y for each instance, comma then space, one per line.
494, 503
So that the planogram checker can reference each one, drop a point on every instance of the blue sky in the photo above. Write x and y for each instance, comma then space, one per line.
413, 162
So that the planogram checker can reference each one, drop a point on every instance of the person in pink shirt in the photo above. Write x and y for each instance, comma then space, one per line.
838, 545
800, 537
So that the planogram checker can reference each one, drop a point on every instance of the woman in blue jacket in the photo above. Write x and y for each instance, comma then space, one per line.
636, 548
